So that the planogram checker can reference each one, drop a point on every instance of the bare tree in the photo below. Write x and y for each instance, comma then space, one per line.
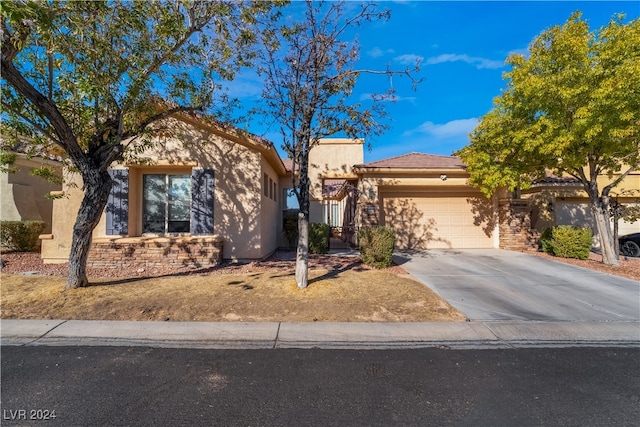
310, 73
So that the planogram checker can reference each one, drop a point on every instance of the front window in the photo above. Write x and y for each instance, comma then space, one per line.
166, 203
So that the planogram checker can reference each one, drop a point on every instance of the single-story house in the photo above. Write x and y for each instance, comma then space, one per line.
202, 193
207, 192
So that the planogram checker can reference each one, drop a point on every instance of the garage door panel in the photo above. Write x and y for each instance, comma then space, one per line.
435, 222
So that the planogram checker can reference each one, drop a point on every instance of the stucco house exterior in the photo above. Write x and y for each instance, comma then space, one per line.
207, 192
203, 193
428, 201
562, 201
23, 196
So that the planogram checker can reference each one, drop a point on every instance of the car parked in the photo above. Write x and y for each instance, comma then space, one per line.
630, 245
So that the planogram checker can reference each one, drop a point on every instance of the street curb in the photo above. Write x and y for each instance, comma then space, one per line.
325, 335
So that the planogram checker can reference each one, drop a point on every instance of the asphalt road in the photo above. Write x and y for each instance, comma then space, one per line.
490, 284
118, 386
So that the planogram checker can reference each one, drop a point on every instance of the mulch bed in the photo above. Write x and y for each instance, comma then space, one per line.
628, 267
21, 262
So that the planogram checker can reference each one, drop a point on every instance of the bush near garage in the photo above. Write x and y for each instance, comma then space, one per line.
566, 241
319, 238
20, 236
545, 241
376, 246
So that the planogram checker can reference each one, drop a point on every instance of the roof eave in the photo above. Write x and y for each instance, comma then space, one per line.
360, 170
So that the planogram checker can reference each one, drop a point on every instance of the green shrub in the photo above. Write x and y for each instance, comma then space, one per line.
545, 241
376, 246
21, 236
290, 227
571, 242
319, 238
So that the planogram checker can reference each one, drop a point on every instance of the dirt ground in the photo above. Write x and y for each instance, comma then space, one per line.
341, 289
628, 267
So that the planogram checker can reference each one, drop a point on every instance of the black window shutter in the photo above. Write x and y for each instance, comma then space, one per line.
202, 187
118, 204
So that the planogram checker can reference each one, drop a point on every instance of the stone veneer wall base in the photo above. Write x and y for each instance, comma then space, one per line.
145, 252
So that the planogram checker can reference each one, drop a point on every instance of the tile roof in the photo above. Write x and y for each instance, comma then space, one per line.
417, 161
553, 179
288, 164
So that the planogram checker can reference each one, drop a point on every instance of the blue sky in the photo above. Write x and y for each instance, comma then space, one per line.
463, 47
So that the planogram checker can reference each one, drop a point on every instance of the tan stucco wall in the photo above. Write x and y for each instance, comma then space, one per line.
22, 195
331, 158
240, 213
370, 183
271, 210
237, 194
65, 210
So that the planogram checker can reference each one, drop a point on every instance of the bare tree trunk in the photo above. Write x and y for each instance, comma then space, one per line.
616, 245
97, 186
302, 252
607, 245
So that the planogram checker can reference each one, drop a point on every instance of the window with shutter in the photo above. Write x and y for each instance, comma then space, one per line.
166, 203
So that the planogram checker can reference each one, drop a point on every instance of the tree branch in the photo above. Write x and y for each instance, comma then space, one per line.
33, 123
606, 190
154, 118
193, 28
66, 138
9, 48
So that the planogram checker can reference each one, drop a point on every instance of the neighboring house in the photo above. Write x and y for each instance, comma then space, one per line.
562, 201
23, 196
208, 192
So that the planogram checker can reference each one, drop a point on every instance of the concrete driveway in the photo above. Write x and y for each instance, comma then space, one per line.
492, 284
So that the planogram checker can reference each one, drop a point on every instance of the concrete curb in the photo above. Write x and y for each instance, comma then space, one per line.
272, 335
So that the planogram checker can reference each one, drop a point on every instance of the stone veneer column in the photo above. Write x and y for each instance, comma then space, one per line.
515, 225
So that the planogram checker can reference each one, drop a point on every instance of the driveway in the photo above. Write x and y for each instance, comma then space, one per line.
492, 284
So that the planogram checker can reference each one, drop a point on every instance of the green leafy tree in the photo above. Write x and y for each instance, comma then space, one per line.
91, 79
310, 71
571, 107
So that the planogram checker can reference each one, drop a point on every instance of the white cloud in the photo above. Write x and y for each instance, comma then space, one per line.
408, 59
477, 61
454, 128
376, 52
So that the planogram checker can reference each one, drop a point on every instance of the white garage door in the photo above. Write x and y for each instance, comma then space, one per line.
438, 220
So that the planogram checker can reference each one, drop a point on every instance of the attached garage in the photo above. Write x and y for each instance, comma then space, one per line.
433, 219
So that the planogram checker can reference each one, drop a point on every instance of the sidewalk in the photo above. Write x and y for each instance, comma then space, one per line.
326, 335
